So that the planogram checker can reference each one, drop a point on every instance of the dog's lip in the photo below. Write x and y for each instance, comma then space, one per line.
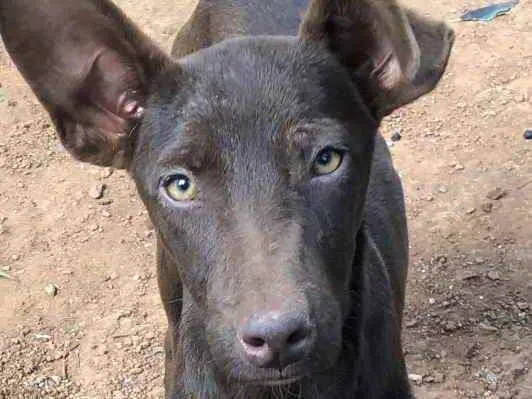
274, 382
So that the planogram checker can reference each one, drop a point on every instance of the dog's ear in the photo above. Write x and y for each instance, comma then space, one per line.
89, 66
394, 55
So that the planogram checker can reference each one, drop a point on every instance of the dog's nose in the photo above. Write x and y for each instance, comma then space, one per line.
276, 340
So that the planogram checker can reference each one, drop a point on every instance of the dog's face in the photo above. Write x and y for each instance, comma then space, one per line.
254, 165
252, 156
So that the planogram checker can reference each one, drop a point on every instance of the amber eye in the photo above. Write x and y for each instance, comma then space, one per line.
327, 161
180, 187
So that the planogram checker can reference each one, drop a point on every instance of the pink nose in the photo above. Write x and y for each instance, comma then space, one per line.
276, 340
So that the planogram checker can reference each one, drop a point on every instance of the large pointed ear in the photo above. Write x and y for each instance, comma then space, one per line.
89, 66
394, 55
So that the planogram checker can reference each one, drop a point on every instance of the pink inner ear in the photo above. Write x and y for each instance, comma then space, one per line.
388, 72
114, 86
129, 108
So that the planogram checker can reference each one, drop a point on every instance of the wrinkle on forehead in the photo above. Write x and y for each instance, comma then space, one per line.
307, 133
192, 147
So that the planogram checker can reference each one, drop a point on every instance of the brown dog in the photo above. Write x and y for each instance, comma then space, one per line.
282, 239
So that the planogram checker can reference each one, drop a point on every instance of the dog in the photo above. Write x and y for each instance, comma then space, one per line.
281, 230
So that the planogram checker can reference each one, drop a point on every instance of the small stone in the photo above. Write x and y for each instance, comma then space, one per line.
42, 337
432, 301
518, 370
106, 173
523, 305
158, 350
112, 276
442, 189
93, 227
528, 134
51, 290
71, 328
102, 350
494, 275
416, 378
6, 268
450, 326
97, 191
488, 327
522, 97
428, 379
470, 211
106, 214
429, 198
145, 344
489, 376
55, 379
411, 323
487, 207
39, 382
472, 351
104, 202
15, 257
136, 371
396, 136
441, 259
438, 378
496, 194
459, 166
469, 275
124, 314
435, 378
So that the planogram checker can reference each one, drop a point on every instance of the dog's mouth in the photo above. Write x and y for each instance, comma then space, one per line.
280, 381
271, 378
274, 382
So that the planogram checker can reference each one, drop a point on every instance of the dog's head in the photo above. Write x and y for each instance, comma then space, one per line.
252, 156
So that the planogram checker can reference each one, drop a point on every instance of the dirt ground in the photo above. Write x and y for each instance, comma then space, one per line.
467, 172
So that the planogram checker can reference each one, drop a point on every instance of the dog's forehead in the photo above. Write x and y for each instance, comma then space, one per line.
267, 83
256, 56
260, 75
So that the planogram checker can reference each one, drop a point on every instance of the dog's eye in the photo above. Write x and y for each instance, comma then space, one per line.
327, 161
180, 187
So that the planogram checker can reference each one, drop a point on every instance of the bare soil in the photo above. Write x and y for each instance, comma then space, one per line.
468, 321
